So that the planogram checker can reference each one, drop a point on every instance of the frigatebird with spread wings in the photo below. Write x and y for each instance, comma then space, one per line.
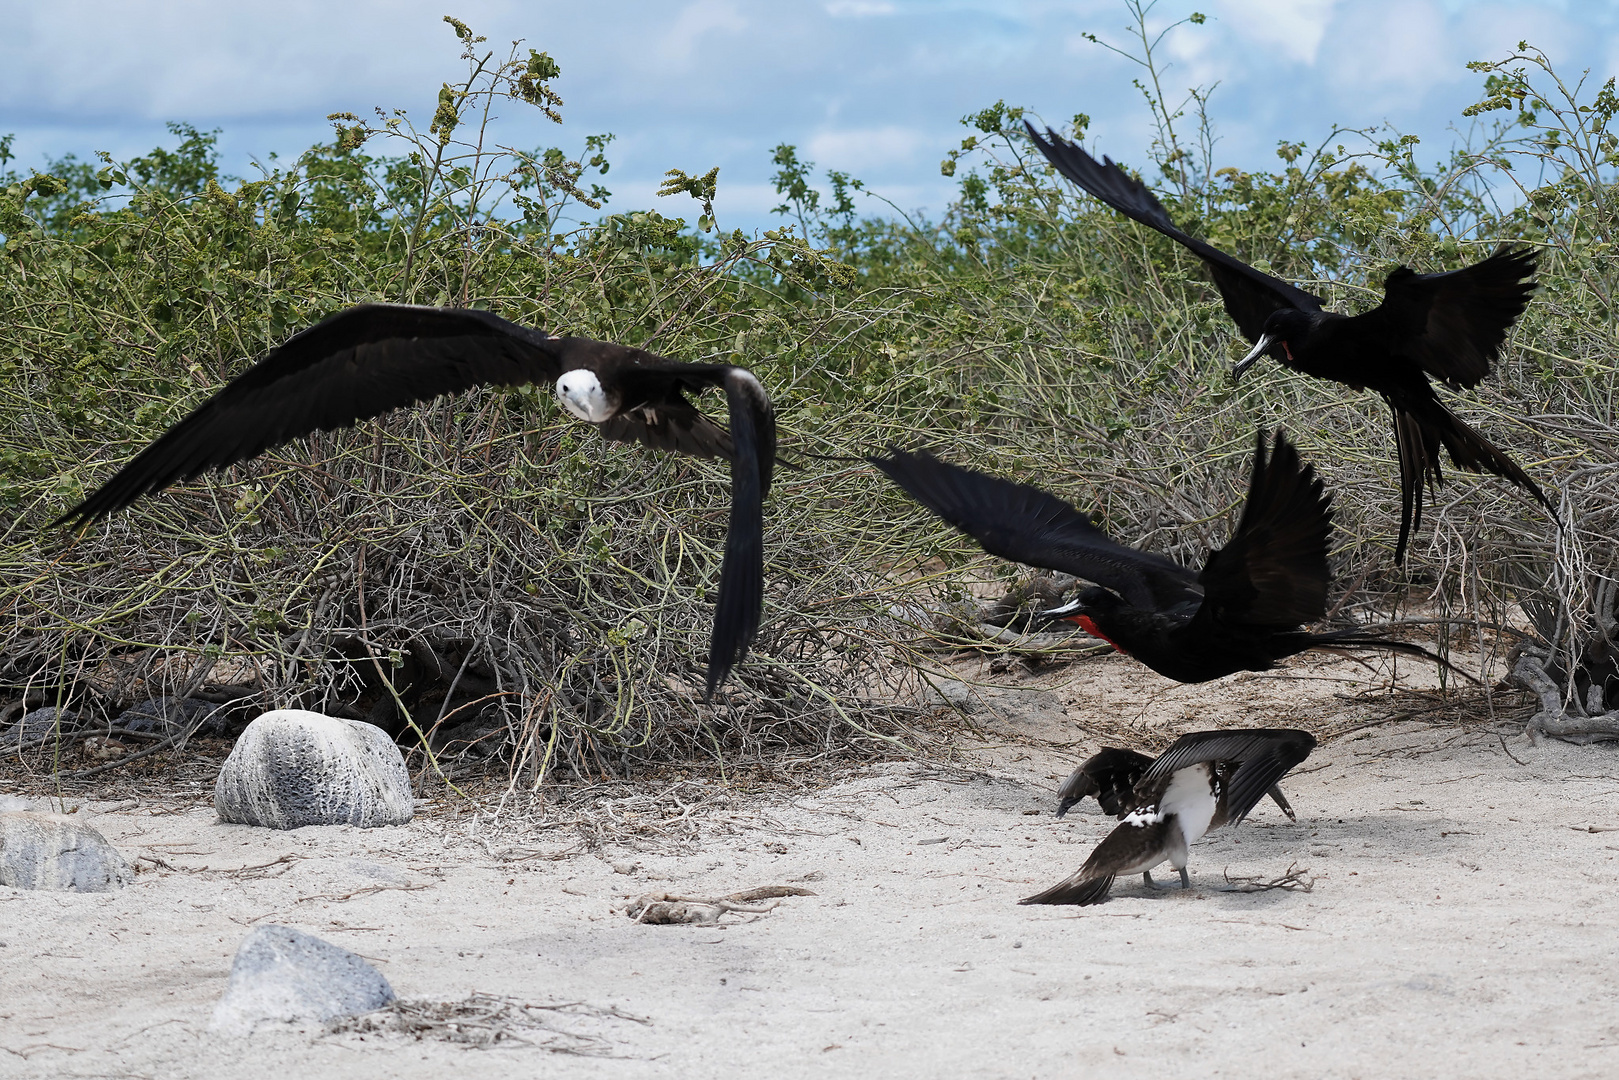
1449, 326
1241, 612
372, 359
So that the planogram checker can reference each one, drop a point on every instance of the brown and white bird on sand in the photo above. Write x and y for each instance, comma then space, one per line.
1205, 780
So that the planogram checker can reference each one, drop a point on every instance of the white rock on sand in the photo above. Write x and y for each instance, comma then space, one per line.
282, 975
57, 853
292, 768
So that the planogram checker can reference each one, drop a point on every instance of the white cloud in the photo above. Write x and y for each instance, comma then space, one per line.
871, 87
868, 148
1291, 28
1386, 53
695, 22
858, 9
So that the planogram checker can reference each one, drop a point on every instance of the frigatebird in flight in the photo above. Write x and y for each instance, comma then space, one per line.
372, 359
1240, 612
1205, 780
1449, 326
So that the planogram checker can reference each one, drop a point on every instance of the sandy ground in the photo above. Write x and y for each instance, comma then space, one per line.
1462, 919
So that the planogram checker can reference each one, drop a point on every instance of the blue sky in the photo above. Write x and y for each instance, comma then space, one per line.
873, 87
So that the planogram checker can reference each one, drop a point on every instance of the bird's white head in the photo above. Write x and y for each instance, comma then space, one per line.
581, 394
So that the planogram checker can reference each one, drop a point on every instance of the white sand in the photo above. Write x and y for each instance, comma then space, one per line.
1463, 922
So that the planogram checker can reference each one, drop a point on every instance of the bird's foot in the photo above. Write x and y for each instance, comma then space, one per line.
1186, 880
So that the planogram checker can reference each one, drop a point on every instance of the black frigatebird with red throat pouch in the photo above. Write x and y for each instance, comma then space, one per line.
1205, 780
1241, 612
1449, 326
374, 358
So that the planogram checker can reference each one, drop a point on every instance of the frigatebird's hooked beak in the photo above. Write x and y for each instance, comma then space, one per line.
1064, 611
1265, 341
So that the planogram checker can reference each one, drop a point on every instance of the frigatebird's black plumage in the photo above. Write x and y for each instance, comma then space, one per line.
1205, 780
1449, 326
372, 359
1241, 612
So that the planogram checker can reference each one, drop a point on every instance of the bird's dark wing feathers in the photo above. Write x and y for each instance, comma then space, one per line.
1027, 525
357, 364
1110, 776
654, 412
1273, 571
1250, 295
741, 598
1454, 323
1264, 756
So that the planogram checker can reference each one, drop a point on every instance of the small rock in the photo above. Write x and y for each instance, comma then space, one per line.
676, 913
282, 975
39, 724
167, 715
49, 851
624, 868
99, 748
292, 768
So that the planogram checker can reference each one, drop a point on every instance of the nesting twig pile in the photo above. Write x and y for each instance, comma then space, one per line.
484, 1021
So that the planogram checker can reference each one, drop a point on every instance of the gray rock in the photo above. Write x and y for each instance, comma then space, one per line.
39, 724
12, 803
292, 768
167, 715
282, 975
49, 851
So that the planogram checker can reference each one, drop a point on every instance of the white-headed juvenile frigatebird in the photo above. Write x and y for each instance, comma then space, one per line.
1205, 780
1449, 326
371, 359
1240, 612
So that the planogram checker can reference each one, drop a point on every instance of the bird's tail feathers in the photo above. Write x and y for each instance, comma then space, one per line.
1075, 890
737, 609
1422, 425
1363, 638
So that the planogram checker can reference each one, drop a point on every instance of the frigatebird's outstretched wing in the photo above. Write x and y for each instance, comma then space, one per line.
352, 366
1250, 295
1273, 571
1027, 525
1455, 323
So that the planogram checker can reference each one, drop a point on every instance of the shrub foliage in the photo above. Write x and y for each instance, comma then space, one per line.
489, 571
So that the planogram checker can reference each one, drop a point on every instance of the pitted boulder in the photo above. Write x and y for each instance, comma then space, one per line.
292, 768
49, 851
284, 976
